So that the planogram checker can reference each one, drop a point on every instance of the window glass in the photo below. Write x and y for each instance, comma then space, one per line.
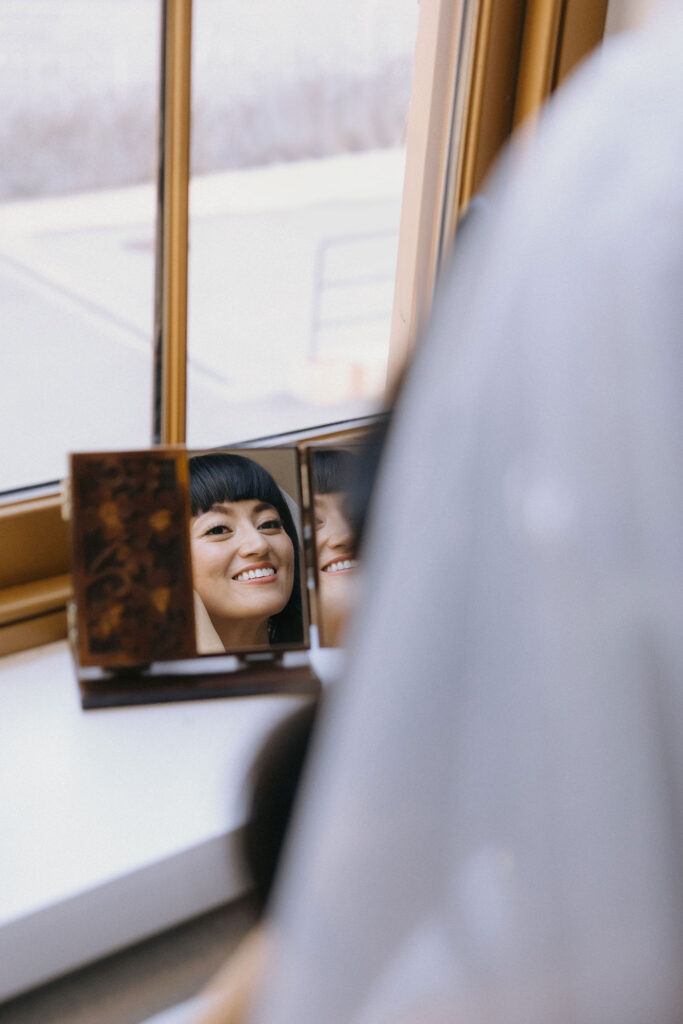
79, 87
299, 114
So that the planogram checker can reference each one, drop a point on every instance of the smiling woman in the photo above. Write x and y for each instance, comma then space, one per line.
245, 553
335, 541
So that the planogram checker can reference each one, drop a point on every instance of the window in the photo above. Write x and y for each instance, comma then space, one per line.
322, 194
298, 149
77, 206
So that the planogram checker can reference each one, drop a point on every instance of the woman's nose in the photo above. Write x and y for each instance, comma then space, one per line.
252, 542
340, 534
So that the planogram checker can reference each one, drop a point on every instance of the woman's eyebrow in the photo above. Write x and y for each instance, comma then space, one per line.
224, 508
265, 506
216, 508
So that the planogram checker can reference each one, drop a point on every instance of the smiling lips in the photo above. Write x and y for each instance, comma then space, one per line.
257, 574
340, 565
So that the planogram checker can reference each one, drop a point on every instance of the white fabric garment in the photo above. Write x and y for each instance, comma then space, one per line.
491, 827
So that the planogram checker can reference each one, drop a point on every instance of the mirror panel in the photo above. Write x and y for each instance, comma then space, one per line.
333, 474
246, 542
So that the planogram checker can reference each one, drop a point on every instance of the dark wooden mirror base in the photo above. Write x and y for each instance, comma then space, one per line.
139, 686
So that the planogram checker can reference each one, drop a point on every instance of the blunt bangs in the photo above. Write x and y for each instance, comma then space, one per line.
222, 476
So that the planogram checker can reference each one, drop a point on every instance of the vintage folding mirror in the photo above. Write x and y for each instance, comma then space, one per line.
205, 574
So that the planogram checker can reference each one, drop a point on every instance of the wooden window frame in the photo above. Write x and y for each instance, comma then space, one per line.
516, 52
481, 67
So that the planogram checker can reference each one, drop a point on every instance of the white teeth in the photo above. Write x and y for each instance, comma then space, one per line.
254, 574
347, 563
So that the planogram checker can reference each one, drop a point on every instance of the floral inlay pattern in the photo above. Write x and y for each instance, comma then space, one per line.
131, 558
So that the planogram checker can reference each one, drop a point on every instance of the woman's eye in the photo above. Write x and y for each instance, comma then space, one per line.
217, 530
271, 524
318, 522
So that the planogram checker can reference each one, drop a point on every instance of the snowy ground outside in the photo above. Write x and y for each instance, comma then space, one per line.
291, 284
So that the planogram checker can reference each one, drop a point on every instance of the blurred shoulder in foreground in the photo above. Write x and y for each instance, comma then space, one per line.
492, 827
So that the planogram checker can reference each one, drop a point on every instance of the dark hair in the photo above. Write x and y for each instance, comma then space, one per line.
273, 784
223, 476
333, 470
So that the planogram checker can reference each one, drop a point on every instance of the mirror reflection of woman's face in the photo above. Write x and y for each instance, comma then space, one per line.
336, 557
242, 567
334, 540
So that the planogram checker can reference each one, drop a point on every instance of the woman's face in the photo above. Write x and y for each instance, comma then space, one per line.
335, 551
242, 562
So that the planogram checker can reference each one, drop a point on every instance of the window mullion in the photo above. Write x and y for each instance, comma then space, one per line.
170, 329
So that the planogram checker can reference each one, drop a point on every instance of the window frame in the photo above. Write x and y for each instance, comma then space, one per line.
461, 113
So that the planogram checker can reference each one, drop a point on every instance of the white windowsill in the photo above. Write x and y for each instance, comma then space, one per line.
115, 823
